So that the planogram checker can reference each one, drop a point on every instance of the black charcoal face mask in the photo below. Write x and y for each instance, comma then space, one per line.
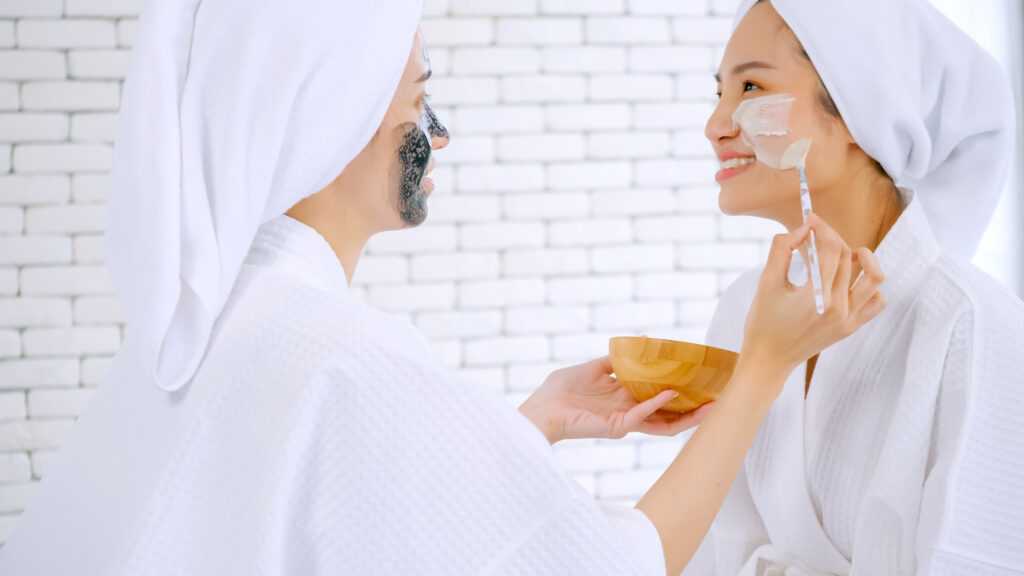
413, 158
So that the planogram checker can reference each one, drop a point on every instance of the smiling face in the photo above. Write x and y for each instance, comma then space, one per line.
391, 172
764, 59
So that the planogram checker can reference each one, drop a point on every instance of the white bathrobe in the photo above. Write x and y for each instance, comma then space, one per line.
907, 454
318, 437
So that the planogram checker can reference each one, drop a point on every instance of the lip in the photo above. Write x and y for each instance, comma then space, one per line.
428, 184
727, 173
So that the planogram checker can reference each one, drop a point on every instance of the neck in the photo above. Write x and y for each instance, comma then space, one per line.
862, 209
340, 226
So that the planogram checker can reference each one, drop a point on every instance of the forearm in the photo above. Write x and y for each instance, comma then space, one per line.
684, 501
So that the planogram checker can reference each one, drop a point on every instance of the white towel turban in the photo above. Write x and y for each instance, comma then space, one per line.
233, 111
920, 97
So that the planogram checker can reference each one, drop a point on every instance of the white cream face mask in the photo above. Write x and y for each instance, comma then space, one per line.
764, 126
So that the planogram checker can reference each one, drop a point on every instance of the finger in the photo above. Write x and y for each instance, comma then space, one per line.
603, 364
869, 282
830, 247
872, 308
637, 414
781, 254
676, 423
841, 288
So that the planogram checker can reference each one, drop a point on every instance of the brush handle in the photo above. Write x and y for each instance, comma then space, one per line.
812, 248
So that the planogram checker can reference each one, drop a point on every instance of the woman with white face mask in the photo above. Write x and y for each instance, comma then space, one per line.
896, 451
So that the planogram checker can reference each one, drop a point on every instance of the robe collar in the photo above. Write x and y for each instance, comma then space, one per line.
908, 250
288, 244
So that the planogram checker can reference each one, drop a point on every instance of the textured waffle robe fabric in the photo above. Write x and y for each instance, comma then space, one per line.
907, 454
319, 436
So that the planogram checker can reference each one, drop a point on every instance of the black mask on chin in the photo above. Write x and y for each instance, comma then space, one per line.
413, 157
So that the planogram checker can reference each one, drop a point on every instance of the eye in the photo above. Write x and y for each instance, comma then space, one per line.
748, 86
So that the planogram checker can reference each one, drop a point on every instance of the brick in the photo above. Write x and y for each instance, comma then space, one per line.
126, 30
62, 158
581, 347
381, 270
450, 91
501, 235
676, 228
102, 7
12, 220
489, 378
698, 200
98, 310
15, 467
99, 64
10, 344
589, 59
618, 145
586, 175
633, 258
456, 266
749, 228
30, 373
93, 127
33, 127
627, 30
732, 256
9, 98
697, 311
88, 249
590, 289
8, 281
436, 7
547, 319
70, 218
465, 149
77, 341
58, 403
30, 8
528, 376
724, 7
631, 87
87, 188
669, 7
704, 30
633, 202
666, 116
692, 144
634, 315
499, 293
464, 208
65, 281
460, 324
632, 484
589, 116
546, 262
497, 351
671, 58
676, 285
29, 190
41, 461
422, 239
33, 434
548, 88
71, 95
31, 65
492, 60
413, 297
25, 312
660, 453
551, 147
596, 457
34, 250
500, 177
15, 497
540, 31
697, 87
458, 31
5, 158
590, 232
547, 205
582, 6
489, 7
448, 352
498, 119
77, 33
12, 406
6, 33
675, 172
94, 370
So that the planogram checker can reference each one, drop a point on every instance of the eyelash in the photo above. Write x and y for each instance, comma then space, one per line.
718, 94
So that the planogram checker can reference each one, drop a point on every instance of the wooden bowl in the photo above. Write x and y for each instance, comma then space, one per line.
647, 366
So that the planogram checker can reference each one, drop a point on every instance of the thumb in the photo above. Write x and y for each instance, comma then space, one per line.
637, 414
781, 254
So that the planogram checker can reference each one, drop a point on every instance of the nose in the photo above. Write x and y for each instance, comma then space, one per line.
439, 135
720, 126
440, 141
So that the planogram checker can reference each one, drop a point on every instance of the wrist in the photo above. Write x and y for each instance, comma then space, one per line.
535, 413
759, 379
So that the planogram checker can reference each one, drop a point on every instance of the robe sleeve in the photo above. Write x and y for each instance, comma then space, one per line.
972, 513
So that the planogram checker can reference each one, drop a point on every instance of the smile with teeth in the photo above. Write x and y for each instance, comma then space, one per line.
737, 162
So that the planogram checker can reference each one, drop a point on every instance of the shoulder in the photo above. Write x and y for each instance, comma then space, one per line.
726, 328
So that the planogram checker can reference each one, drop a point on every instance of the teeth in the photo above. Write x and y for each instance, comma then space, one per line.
737, 162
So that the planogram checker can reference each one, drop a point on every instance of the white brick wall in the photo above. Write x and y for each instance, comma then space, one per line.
574, 204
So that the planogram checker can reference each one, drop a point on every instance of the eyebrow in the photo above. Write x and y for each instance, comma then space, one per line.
426, 76
741, 68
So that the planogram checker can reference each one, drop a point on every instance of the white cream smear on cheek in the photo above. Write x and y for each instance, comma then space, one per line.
764, 126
